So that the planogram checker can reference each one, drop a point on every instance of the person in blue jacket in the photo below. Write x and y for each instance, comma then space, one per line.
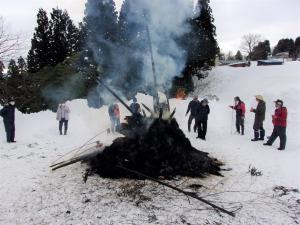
8, 114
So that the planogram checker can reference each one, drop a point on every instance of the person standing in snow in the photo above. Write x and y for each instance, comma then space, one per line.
135, 107
62, 115
279, 121
240, 110
202, 112
192, 107
8, 114
260, 112
114, 115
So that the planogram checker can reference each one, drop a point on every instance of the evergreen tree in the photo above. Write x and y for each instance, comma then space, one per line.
22, 65
13, 68
58, 39
261, 51
238, 55
285, 45
64, 38
201, 45
101, 28
38, 55
297, 47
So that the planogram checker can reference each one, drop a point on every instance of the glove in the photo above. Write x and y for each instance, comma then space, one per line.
231, 106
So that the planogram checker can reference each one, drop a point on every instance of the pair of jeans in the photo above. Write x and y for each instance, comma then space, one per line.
63, 122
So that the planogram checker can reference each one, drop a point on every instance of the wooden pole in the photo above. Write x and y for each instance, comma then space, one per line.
179, 190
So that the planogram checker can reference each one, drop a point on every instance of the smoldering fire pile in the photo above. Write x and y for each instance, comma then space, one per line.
155, 147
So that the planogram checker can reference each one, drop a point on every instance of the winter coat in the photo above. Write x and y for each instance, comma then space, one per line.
202, 112
63, 112
111, 110
260, 113
8, 114
135, 108
116, 111
280, 117
193, 105
240, 108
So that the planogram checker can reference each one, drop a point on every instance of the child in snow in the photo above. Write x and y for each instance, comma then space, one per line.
193, 109
279, 122
240, 109
62, 115
202, 116
260, 111
8, 114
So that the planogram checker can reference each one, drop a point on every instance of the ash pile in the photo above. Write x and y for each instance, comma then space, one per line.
153, 146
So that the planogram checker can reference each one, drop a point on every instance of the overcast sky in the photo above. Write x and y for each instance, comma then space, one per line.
273, 19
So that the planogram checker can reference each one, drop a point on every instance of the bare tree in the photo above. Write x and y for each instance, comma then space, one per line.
249, 42
9, 43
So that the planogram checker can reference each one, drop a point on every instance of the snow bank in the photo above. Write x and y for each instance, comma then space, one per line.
31, 194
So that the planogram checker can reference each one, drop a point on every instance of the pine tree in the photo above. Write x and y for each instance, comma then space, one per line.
58, 39
200, 44
38, 56
238, 55
297, 47
261, 51
13, 68
22, 65
101, 28
285, 45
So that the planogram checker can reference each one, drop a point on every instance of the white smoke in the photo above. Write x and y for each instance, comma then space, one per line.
167, 22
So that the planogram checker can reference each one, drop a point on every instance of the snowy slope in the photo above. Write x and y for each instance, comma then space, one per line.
32, 194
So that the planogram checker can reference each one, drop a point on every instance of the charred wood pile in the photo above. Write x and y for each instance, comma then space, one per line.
155, 147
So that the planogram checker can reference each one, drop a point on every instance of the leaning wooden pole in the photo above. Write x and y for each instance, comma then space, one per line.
179, 190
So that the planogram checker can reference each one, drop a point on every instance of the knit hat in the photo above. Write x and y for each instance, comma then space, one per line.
259, 97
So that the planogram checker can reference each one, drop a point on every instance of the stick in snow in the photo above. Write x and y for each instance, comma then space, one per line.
179, 190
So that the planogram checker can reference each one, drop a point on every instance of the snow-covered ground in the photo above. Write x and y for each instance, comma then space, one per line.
32, 194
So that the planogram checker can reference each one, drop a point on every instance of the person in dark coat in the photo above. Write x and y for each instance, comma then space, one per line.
8, 114
240, 110
193, 109
279, 121
135, 107
260, 112
202, 112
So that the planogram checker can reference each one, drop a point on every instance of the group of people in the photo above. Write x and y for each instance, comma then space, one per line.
199, 112
8, 115
114, 114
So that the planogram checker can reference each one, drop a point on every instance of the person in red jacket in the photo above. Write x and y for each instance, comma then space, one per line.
279, 122
240, 109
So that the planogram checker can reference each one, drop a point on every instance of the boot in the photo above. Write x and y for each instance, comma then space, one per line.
267, 144
65, 133
255, 139
280, 149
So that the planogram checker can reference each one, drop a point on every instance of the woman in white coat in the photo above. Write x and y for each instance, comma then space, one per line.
62, 115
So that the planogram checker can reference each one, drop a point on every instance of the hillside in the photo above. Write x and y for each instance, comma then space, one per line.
32, 194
